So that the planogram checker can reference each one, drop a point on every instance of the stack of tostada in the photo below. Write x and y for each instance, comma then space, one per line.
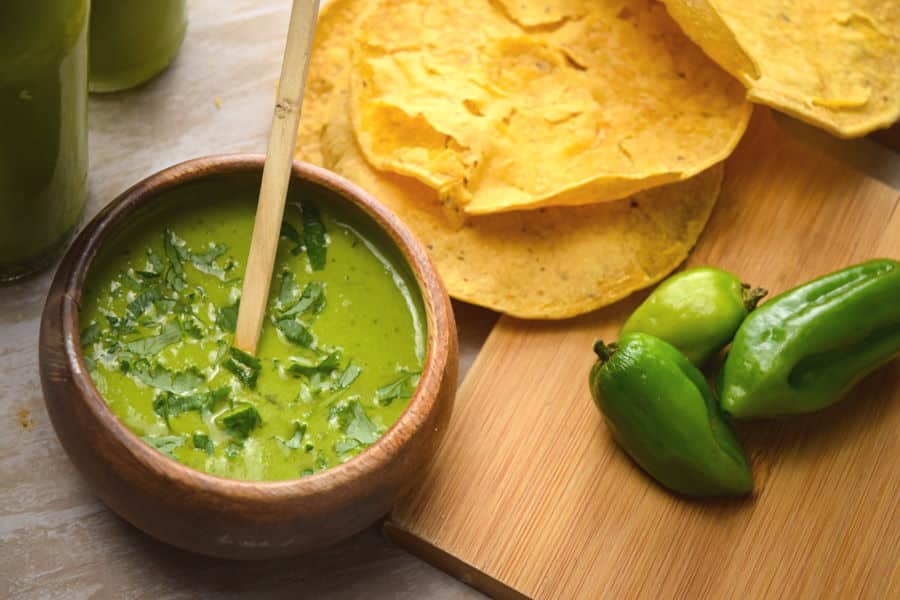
553, 156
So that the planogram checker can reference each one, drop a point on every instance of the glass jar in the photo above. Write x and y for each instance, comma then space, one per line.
43, 130
133, 40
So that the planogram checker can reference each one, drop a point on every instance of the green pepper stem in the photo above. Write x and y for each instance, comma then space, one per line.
604, 351
752, 296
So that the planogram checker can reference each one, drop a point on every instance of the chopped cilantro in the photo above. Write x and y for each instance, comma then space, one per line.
201, 441
168, 404
290, 232
288, 289
130, 283
169, 334
119, 325
344, 445
192, 326
156, 262
205, 262
144, 300
348, 376
308, 367
295, 332
312, 298
226, 318
295, 440
162, 378
331, 361
314, 236
244, 366
361, 428
233, 448
351, 418
304, 394
165, 443
175, 277
91, 334
402, 388
240, 420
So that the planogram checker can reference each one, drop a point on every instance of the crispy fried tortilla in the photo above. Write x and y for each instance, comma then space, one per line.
832, 63
548, 263
508, 105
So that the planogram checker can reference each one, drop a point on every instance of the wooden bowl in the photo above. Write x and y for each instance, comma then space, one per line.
224, 517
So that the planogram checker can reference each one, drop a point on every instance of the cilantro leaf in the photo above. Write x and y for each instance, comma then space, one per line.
120, 326
168, 404
290, 232
304, 394
348, 376
295, 440
288, 288
201, 441
165, 443
188, 380
162, 378
233, 448
175, 277
240, 420
192, 326
226, 318
314, 236
402, 388
295, 332
361, 428
169, 334
244, 366
313, 297
308, 367
91, 334
344, 445
156, 262
351, 418
205, 262
142, 302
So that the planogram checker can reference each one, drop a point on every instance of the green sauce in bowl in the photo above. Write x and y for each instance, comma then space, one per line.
339, 357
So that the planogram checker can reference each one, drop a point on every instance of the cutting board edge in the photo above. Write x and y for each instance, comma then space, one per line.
450, 564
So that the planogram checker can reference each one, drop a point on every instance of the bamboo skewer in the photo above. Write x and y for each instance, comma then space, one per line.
276, 175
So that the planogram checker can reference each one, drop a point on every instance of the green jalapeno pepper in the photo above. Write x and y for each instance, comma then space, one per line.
661, 411
697, 311
804, 349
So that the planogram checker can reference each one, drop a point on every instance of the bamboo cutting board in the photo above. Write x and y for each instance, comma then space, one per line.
530, 497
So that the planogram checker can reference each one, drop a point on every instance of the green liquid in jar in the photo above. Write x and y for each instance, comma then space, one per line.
43, 130
133, 40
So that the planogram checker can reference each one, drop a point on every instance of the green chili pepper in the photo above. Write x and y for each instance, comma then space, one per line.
804, 349
697, 311
660, 409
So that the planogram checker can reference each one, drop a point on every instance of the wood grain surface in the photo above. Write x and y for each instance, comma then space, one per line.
530, 496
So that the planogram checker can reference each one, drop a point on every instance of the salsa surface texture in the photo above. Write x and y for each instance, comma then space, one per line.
339, 357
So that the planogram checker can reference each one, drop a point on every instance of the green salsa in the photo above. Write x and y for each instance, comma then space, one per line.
339, 356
